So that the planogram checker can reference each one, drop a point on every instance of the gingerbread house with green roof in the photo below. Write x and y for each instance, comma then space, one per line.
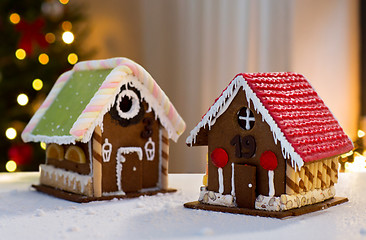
107, 126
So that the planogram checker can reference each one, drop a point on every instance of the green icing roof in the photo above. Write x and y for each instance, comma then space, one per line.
70, 102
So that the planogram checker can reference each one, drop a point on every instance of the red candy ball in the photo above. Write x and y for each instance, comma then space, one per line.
219, 157
268, 160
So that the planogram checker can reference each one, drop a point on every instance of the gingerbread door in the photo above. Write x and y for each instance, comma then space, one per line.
245, 184
129, 169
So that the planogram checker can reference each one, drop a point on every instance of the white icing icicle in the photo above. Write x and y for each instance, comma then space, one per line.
221, 180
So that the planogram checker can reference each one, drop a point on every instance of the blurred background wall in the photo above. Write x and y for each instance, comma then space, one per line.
193, 49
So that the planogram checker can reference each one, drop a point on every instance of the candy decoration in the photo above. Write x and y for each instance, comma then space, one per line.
219, 157
268, 161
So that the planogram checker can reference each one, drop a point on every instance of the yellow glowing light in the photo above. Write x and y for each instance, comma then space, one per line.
20, 54
68, 37
14, 18
11, 166
11, 133
50, 37
22, 99
358, 164
43, 145
72, 58
43, 58
66, 26
37, 84
64, 1
361, 133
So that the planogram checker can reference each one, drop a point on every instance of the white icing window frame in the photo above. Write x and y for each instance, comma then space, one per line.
106, 150
135, 107
121, 159
150, 149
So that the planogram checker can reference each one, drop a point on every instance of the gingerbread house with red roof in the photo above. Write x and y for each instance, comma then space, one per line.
107, 126
273, 145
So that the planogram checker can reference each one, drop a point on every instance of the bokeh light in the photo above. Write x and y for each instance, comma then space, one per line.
11, 166
22, 99
68, 37
11, 133
43, 58
14, 18
37, 84
66, 26
20, 54
72, 58
50, 37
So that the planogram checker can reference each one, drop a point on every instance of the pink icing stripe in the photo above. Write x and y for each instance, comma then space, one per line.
155, 91
93, 108
104, 66
89, 65
171, 112
132, 67
109, 85
29, 128
78, 133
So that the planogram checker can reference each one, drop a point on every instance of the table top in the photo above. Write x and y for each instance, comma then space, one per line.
27, 214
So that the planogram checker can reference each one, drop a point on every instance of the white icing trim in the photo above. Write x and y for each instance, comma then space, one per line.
70, 178
221, 180
232, 180
106, 150
135, 107
121, 159
271, 186
160, 156
150, 149
222, 104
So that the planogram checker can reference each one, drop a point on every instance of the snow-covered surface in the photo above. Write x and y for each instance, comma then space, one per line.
27, 214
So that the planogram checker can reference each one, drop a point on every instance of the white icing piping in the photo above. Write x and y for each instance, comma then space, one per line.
221, 180
222, 104
106, 150
271, 186
232, 180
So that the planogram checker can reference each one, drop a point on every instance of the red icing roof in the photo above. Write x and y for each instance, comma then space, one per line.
302, 116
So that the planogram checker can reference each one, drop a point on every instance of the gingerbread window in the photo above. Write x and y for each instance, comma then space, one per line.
75, 154
55, 151
128, 104
246, 118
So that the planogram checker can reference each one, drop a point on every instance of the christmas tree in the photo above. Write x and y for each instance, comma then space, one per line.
39, 40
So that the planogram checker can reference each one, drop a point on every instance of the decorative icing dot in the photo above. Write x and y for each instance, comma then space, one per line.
70, 116
58, 126
134, 169
52, 130
100, 75
91, 75
70, 86
80, 74
250, 185
81, 101
89, 84
52, 123
67, 108
77, 93
59, 106
62, 129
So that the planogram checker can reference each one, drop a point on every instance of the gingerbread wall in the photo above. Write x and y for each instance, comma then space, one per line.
136, 174
222, 133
